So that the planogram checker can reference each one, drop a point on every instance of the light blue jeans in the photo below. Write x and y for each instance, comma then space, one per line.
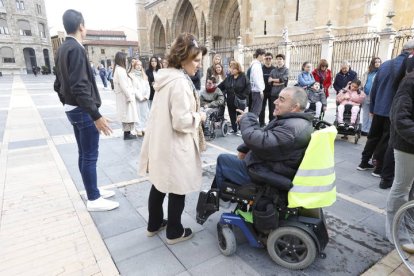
366, 119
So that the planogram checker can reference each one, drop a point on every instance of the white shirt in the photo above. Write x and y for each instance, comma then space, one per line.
256, 77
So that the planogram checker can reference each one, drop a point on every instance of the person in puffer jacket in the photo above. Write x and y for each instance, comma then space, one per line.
316, 96
212, 101
274, 152
351, 95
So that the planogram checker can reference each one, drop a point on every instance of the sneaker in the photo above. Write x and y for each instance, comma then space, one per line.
385, 184
376, 174
224, 204
105, 193
188, 234
238, 133
231, 131
365, 166
101, 204
162, 227
140, 133
341, 125
351, 127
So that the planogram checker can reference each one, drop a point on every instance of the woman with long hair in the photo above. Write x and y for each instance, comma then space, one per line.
125, 97
216, 60
142, 94
367, 80
323, 75
153, 67
174, 139
219, 73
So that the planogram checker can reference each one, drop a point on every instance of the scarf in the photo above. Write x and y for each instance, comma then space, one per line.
211, 90
200, 133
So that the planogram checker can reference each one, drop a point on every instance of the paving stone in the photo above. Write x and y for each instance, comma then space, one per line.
129, 244
118, 221
137, 194
159, 261
348, 212
372, 197
374, 222
27, 144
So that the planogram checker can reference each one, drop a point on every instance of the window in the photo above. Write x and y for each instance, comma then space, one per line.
4, 30
24, 28
42, 30
39, 9
19, 5
103, 51
6, 54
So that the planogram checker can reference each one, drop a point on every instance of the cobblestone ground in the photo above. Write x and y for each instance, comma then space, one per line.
355, 221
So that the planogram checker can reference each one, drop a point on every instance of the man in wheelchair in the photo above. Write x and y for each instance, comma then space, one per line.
213, 103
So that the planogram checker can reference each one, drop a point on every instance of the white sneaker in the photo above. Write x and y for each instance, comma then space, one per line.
105, 193
101, 204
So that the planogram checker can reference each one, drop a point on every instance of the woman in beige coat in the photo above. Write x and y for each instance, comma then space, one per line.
174, 139
125, 97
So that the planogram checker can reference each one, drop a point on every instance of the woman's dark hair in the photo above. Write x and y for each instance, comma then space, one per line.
259, 52
357, 82
72, 20
323, 63
213, 79
158, 67
120, 60
371, 66
304, 65
281, 56
184, 47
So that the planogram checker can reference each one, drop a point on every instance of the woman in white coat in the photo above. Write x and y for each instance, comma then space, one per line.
125, 97
174, 139
142, 94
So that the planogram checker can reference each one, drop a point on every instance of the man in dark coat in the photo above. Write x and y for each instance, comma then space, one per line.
76, 88
275, 151
344, 76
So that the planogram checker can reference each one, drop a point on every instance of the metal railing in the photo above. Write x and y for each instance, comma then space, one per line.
403, 35
227, 55
358, 49
304, 50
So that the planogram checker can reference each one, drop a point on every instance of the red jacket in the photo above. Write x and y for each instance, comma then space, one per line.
327, 82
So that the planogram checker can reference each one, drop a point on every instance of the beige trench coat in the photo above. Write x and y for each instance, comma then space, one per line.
126, 107
170, 151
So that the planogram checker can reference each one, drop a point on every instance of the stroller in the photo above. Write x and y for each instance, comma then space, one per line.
346, 130
216, 122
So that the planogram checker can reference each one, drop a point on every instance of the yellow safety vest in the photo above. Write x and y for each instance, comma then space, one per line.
314, 182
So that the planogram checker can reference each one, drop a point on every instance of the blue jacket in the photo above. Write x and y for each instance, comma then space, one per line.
383, 90
341, 80
305, 79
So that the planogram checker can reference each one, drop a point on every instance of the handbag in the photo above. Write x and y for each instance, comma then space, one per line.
240, 103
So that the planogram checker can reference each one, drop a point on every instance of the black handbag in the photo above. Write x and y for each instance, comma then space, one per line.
240, 103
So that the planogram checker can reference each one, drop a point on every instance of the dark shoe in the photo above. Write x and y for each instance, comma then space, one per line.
162, 227
377, 172
363, 133
365, 166
385, 184
188, 234
129, 136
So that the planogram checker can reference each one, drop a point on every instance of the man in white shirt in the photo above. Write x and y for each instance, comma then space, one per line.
257, 82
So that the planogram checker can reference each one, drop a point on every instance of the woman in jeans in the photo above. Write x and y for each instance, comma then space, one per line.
367, 81
174, 139
235, 85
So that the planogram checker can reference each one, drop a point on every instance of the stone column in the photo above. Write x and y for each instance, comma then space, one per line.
286, 46
327, 44
387, 36
207, 57
142, 28
239, 51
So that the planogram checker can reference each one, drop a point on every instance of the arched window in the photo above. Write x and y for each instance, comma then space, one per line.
24, 28
19, 5
42, 30
4, 30
6, 54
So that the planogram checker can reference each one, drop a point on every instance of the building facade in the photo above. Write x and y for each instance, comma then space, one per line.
102, 45
24, 37
219, 23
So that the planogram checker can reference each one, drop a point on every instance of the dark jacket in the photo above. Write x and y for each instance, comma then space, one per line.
383, 89
266, 75
280, 146
231, 86
282, 74
150, 75
316, 96
197, 80
402, 116
341, 80
75, 81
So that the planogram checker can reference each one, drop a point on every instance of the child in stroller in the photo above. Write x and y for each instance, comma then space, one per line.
351, 95
212, 102
316, 99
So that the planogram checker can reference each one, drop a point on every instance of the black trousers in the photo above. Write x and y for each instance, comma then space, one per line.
377, 142
267, 99
232, 112
175, 209
388, 166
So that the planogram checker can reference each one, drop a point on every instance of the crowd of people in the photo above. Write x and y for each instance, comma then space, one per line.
172, 109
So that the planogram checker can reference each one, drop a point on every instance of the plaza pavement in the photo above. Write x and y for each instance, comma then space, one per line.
46, 230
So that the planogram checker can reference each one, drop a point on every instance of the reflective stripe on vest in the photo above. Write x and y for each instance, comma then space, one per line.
312, 189
318, 172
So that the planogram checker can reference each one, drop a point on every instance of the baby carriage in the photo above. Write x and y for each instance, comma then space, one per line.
348, 129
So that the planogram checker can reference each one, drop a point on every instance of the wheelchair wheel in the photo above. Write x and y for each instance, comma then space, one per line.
226, 240
224, 128
291, 248
403, 232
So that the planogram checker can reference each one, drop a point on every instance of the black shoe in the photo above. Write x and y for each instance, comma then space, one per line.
377, 172
363, 133
129, 136
365, 166
385, 184
188, 234
162, 227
